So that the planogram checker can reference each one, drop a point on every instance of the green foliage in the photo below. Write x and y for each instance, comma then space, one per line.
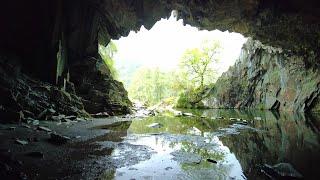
151, 85
197, 66
107, 54
190, 99
196, 71
198, 63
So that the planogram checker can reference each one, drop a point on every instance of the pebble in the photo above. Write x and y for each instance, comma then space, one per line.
21, 142
41, 128
154, 125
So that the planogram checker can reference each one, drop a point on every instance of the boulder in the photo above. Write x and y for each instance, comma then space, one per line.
99, 91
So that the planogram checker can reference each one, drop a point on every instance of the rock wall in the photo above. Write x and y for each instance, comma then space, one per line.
99, 91
265, 77
23, 97
36, 30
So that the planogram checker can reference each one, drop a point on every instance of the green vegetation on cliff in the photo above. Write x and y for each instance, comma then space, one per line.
107, 53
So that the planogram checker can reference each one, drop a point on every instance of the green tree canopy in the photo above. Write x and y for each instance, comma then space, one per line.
197, 63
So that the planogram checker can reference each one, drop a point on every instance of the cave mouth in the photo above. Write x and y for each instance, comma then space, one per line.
151, 63
65, 116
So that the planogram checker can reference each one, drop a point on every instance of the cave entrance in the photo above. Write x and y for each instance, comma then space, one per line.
156, 65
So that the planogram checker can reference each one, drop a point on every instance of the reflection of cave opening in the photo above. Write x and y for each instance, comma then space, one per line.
148, 62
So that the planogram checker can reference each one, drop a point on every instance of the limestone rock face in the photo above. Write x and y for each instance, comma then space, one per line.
269, 78
100, 92
23, 97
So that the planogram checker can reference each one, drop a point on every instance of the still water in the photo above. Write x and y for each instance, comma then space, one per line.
215, 144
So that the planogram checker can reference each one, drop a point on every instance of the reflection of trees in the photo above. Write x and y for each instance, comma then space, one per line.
203, 152
286, 138
220, 172
175, 125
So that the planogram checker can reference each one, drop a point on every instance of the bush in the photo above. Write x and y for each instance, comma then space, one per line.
188, 100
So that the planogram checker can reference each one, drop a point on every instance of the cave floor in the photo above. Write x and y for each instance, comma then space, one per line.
210, 144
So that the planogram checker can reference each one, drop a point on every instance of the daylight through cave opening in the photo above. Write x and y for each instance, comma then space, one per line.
171, 59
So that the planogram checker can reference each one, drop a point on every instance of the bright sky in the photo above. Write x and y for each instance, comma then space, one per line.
163, 45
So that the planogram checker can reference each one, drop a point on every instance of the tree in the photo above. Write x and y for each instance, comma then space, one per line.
151, 85
197, 63
107, 53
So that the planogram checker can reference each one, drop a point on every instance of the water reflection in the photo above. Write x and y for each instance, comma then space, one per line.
180, 148
182, 158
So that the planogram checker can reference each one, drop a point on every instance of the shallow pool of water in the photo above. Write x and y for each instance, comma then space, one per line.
215, 144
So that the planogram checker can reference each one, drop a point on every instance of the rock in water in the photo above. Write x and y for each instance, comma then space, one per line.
187, 114
32, 121
194, 131
155, 125
281, 170
177, 113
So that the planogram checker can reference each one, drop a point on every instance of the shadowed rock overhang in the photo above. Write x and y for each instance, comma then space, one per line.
36, 31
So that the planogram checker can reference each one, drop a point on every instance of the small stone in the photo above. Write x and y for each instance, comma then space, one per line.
233, 119
71, 117
81, 120
41, 128
52, 111
168, 168
194, 131
242, 123
55, 118
177, 113
33, 121
187, 114
58, 139
21, 142
154, 125
220, 117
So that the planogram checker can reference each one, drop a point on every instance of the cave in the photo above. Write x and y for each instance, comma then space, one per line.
51, 71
